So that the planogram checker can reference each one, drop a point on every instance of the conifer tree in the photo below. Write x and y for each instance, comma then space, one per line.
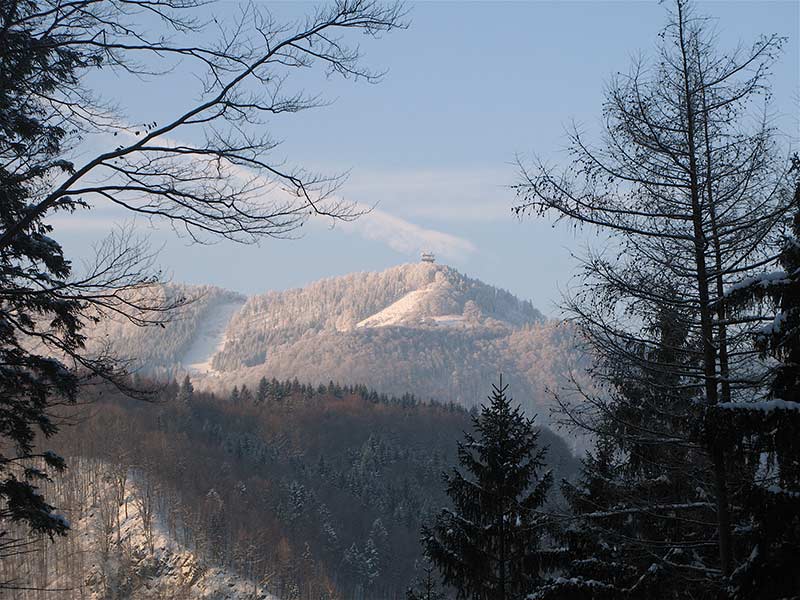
692, 191
235, 396
488, 545
263, 391
427, 588
770, 428
640, 517
186, 391
245, 395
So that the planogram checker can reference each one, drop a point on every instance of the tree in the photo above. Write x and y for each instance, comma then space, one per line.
488, 545
186, 391
263, 391
427, 588
207, 171
637, 493
235, 397
772, 426
693, 196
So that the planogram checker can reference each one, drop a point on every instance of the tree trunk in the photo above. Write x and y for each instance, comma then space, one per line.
706, 323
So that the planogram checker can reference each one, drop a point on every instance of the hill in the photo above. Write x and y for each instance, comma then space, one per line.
422, 328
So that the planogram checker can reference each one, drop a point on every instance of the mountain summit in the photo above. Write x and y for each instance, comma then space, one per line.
421, 328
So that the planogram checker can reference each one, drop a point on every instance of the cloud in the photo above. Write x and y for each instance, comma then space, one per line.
453, 195
407, 237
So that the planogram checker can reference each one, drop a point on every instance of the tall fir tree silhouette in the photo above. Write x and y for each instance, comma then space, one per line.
488, 545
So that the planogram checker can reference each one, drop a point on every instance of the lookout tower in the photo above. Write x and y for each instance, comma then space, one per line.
428, 257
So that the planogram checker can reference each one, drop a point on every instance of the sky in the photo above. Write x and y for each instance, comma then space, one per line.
469, 86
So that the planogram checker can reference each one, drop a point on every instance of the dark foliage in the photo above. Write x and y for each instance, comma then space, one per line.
488, 546
328, 486
770, 430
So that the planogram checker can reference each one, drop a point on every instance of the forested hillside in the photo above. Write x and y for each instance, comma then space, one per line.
417, 328
162, 350
309, 492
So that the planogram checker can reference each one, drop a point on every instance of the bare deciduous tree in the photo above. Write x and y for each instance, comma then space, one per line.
209, 171
690, 187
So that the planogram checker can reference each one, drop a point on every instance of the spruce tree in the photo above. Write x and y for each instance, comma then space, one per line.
36, 324
488, 545
640, 519
263, 391
186, 391
767, 431
426, 587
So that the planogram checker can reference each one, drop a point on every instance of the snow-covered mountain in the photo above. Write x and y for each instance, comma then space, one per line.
421, 328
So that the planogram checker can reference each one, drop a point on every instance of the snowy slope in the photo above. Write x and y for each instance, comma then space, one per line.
413, 309
403, 311
135, 561
210, 337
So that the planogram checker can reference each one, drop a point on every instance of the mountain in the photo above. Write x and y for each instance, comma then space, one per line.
422, 328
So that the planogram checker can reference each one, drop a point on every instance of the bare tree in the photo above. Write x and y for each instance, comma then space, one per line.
224, 183
690, 187
209, 171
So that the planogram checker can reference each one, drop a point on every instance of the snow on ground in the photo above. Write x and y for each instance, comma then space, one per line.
154, 566
409, 310
399, 312
210, 337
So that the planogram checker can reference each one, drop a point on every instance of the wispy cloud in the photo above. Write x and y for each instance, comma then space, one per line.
402, 197
407, 237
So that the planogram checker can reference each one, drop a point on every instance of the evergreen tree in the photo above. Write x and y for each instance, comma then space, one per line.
642, 502
488, 545
426, 588
186, 391
770, 428
263, 391
40, 312
245, 395
235, 397
380, 540
371, 569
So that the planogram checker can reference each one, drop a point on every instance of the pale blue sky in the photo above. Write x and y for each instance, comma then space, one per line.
468, 86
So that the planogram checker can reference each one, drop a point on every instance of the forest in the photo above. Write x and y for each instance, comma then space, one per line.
390, 435
305, 491
323, 332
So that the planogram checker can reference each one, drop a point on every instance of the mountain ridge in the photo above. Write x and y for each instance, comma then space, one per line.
418, 328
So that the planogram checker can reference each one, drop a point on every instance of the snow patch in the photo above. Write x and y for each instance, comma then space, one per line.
766, 406
764, 280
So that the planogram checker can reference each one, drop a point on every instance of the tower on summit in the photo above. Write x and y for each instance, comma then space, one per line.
427, 257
